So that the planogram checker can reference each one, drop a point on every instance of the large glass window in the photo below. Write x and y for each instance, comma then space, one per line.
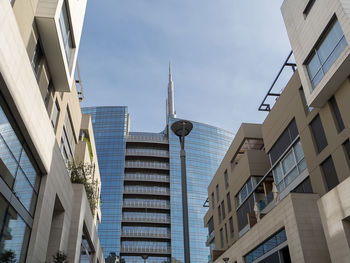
336, 114
288, 169
66, 33
318, 133
326, 52
247, 189
266, 246
14, 234
330, 173
16, 168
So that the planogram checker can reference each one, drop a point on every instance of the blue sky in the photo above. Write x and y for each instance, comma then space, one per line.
224, 54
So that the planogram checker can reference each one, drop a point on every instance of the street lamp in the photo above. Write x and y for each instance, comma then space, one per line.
182, 128
226, 259
144, 257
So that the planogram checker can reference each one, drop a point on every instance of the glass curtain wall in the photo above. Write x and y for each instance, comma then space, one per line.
110, 128
205, 148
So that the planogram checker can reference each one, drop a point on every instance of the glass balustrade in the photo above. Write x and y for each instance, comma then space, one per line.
143, 164
146, 231
146, 203
146, 217
146, 138
145, 246
147, 189
147, 177
152, 152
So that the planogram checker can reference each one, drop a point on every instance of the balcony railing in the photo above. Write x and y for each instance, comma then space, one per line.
146, 204
150, 219
146, 190
149, 165
147, 177
147, 152
265, 201
147, 138
145, 234
145, 250
210, 237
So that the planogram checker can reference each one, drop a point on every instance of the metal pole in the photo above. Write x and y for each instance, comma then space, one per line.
184, 200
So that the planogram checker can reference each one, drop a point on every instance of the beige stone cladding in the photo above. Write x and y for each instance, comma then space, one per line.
335, 214
298, 214
62, 212
305, 30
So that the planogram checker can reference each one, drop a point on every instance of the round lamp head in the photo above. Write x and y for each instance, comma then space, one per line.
226, 259
144, 256
182, 128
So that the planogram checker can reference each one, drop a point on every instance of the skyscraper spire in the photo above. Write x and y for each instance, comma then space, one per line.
171, 108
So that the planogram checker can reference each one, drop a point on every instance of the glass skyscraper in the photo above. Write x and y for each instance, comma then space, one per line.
205, 148
110, 127
141, 185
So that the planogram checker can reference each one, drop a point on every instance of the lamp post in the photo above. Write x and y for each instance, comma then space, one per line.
226, 259
182, 128
144, 257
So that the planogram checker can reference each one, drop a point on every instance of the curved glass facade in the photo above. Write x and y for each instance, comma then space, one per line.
205, 148
110, 128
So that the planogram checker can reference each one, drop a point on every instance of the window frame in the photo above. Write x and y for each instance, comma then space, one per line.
319, 147
329, 187
338, 120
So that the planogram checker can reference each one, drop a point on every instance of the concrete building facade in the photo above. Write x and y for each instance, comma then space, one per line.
282, 183
41, 129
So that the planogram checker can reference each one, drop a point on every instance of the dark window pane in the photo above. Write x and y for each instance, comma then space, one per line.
210, 225
219, 214
226, 179
330, 173
226, 233
212, 200
222, 237
223, 209
336, 114
242, 212
318, 133
217, 193
347, 148
231, 227
304, 187
228, 202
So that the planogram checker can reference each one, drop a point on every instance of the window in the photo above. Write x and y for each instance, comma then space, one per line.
290, 167
231, 227
226, 233
268, 245
55, 113
246, 208
330, 173
221, 238
308, 7
36, 59
68, 134
223, 210
226, 179
247, 189
318, 133
326, 52
212, 200
217, 193
307, 109
283, 142
66, 33
219, 214
304, 187
228, 202
347, 148
336, 114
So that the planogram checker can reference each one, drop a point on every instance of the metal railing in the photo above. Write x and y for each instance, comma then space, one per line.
141, 164
147, 138
144, 233
150, 218
136, 249
147, 152
148, 204
146, 190
147, 177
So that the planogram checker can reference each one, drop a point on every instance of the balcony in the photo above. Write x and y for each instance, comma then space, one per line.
147, 137
153, 190
147, 152
146, 234
53, 17
210, 238
146, 219
147, 165
146, 177
145, 250
146, 204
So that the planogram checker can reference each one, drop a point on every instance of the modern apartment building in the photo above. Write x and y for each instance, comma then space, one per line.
141, 185
42, 210
281, 192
